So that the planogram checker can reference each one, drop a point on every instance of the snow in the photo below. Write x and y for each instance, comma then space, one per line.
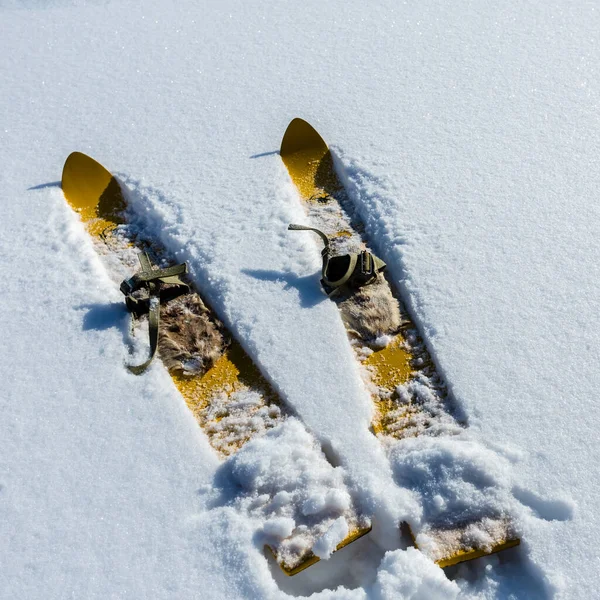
328, 542
288, 484
408, 574
230, 419
467, 136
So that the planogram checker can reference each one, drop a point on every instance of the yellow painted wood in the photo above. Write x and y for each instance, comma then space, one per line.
97, 196
93, 192
312, 559
310, 165
473, 553
390, 366
309, 161
232, 372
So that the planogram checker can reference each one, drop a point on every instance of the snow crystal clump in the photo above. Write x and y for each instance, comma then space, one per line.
298, 498
382, 341
464, 491
453, 477
420, 408
325, 546
409, 575
335, 499
279, 527
232, 419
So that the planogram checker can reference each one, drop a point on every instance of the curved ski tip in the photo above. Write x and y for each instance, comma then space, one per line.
75, 155
80, 164
71, 160
76, 158
297, 121
79, 158
300, 135
83, 182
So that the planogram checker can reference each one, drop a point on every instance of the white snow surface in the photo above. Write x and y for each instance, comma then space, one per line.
408, 574
468, 134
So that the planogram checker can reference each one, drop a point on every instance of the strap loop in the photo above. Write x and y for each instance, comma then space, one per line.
167, 275
153, 325
355, 270
152, 280
325, 239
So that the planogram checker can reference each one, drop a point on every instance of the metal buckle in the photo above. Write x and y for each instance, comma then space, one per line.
128, 286
367, 264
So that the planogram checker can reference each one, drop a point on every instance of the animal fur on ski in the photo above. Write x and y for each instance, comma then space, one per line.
371, 311
190, 337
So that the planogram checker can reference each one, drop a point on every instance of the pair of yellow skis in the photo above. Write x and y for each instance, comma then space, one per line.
97, 196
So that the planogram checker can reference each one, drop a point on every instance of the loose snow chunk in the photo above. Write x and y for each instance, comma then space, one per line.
299, 498
408, 575
281, 499
457, 481
438, 502
286, 459
232, 419
335, 500
382, 341
279, 527
325, 546
417, 390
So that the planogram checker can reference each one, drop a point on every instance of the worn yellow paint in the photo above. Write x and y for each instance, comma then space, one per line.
473, 553
390, 366
93, 192
310, 165
311, 558
342, 233
232, 372
96, 195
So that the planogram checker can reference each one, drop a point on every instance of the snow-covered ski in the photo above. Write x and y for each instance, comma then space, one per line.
309, 513
410, 397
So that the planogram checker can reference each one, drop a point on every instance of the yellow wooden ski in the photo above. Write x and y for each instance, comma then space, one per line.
397, 361
97, 196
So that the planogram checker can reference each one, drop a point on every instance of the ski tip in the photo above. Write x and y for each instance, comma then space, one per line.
71, 160
76, 158
298, 122
300, 135
80, 165
91, 190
